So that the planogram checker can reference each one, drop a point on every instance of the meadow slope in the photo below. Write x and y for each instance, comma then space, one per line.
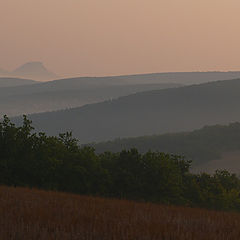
40, 215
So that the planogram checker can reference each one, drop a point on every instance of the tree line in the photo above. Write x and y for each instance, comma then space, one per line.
59, 163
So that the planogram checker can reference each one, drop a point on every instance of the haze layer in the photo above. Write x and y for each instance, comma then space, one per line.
82, 37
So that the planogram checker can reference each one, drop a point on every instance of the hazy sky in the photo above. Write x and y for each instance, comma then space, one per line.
105, 37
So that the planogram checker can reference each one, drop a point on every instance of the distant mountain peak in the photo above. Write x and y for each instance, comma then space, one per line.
34, 70
31, 67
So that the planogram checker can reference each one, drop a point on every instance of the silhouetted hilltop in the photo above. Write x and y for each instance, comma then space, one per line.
34, 70
148, 113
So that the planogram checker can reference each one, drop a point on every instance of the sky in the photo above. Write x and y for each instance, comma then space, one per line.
113, 37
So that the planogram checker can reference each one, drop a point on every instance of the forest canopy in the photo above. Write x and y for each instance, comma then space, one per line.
59, 163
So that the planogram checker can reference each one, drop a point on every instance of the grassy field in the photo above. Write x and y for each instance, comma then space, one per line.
39, 215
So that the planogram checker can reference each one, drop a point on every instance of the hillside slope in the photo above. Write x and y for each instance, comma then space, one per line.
76, 92
177, 79
61, 95
204, 146
34, 214
148, 113
13, 82
186, 78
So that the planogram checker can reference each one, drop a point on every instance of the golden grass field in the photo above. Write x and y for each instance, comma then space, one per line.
40, 215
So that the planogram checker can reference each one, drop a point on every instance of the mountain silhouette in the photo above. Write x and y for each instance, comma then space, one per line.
33, 70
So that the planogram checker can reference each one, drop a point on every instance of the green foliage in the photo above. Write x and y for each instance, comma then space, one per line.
59, 163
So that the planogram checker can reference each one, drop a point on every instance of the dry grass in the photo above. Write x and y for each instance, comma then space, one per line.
38, 215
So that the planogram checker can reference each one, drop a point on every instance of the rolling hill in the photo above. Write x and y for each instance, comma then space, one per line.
13, 82
61, 95
147, 113
76, 92
35, 214
185, 78
210, 148
179, 79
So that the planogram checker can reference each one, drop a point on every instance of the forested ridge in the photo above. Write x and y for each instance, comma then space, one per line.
201, 146
59, 163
